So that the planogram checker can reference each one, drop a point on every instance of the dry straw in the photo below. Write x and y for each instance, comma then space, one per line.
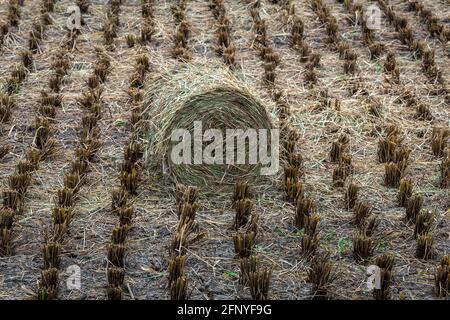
213, 95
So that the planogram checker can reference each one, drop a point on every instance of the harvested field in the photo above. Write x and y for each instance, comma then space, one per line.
364, 179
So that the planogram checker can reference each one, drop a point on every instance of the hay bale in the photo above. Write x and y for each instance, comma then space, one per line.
217, 98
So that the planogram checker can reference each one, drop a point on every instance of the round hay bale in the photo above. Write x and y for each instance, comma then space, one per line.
212, 95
